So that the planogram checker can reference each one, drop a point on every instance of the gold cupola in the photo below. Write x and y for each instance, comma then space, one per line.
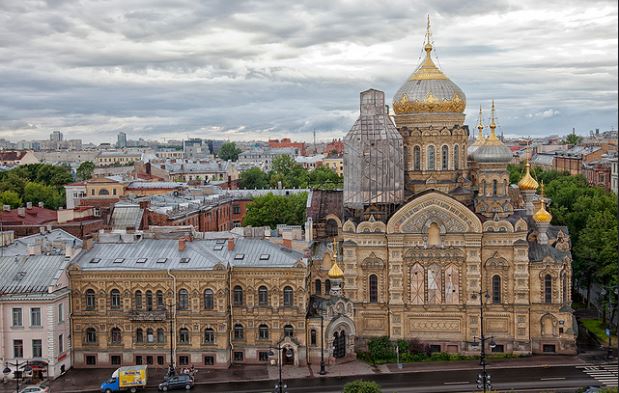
492, 150
542, 216
335, 272
528, 183
428, 89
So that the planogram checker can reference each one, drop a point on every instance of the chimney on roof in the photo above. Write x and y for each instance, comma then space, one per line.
287, 239
6, 208
41, 204
21, 211
181, 244
28, 205
231, 244
87, 244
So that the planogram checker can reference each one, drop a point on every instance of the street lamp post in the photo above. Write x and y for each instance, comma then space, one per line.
280, 387
322, 341
17, 372
483, 379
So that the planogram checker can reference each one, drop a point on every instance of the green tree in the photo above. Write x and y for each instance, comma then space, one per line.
253, 178
361, 386
85, 170
229, 151
324, 178
286, 170
10, 198
572, 139
270, 210
37, 192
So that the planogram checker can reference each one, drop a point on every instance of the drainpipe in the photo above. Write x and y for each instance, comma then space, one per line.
230, 327
173, 303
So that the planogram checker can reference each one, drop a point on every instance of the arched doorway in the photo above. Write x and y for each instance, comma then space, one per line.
288, 356
339, 344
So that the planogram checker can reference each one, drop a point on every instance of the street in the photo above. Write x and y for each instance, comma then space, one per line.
559, 379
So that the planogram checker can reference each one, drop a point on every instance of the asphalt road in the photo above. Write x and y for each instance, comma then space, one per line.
559, 379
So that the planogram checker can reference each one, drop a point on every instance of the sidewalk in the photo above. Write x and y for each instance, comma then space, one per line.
89, 380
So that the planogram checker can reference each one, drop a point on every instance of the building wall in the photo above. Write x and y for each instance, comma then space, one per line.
196, 318
337, 164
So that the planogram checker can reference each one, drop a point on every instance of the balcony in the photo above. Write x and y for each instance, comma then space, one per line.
146, 315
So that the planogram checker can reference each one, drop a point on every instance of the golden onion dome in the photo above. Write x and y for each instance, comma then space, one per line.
428, 89
528, 182
335, 272
542, 215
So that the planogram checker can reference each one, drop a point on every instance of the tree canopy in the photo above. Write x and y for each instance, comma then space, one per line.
35, 183
85, 170
273, 209
229, 151
253, 178
572, 139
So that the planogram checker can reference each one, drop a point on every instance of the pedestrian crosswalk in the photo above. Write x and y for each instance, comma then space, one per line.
606, 374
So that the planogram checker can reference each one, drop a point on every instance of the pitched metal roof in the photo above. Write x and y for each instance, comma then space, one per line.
126, 216
55, 236
163, 254
30, 274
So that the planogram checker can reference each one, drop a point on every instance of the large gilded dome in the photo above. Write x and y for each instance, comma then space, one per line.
429, 90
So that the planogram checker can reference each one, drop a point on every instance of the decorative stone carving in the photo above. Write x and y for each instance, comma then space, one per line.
417, 284
373, 262
448, 253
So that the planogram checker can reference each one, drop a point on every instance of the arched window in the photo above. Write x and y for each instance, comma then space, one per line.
116, 336
149, 301
238, 332
115, 299
431, 158
139, 336
564, 288
496, 289
238, 296
288, 296
434, 235
160, 302
313, 340
183, 336
150, 335
483, 182
288, 331
373, 288
263, 332
327, 286
91, 336
209, 336
444, 157
103, 191
160, 336
495, 187
263, 296
548, 289
138, 300
417, 158
456, 157
318, 287
331, 228
208, 299
90, 299
183, 299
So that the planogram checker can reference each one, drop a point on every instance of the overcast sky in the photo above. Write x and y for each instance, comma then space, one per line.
244, 70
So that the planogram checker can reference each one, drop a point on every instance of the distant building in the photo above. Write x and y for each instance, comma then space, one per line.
334, 163
195, 149
107, 158
299, 147
263, 158
614, 182
56, 136
598, 173
74, 193
335, 146
572, 160
16, 158
200, 171
310, 163
121, 140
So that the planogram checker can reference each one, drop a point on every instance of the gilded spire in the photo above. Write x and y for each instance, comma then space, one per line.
542, 215
480, 127
528, 182
428, 70
492, 138
335, 271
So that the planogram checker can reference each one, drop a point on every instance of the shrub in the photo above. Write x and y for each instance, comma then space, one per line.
361, 386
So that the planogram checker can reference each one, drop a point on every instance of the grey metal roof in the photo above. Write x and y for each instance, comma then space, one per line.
30, 274
51, 238
201, 254
126, 216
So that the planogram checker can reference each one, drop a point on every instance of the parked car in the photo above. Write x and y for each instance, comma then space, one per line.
35, 389
182, 381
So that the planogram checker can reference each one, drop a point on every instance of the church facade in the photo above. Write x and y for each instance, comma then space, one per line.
432, 232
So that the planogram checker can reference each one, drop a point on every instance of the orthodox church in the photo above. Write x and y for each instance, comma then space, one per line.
429, 232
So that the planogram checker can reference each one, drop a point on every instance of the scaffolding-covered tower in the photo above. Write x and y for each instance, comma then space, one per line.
373, 159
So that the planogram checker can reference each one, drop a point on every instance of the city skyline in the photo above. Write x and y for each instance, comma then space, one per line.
267, 70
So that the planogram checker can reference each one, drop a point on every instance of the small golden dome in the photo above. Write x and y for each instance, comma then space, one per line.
542, 215
335, 271
528, 182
